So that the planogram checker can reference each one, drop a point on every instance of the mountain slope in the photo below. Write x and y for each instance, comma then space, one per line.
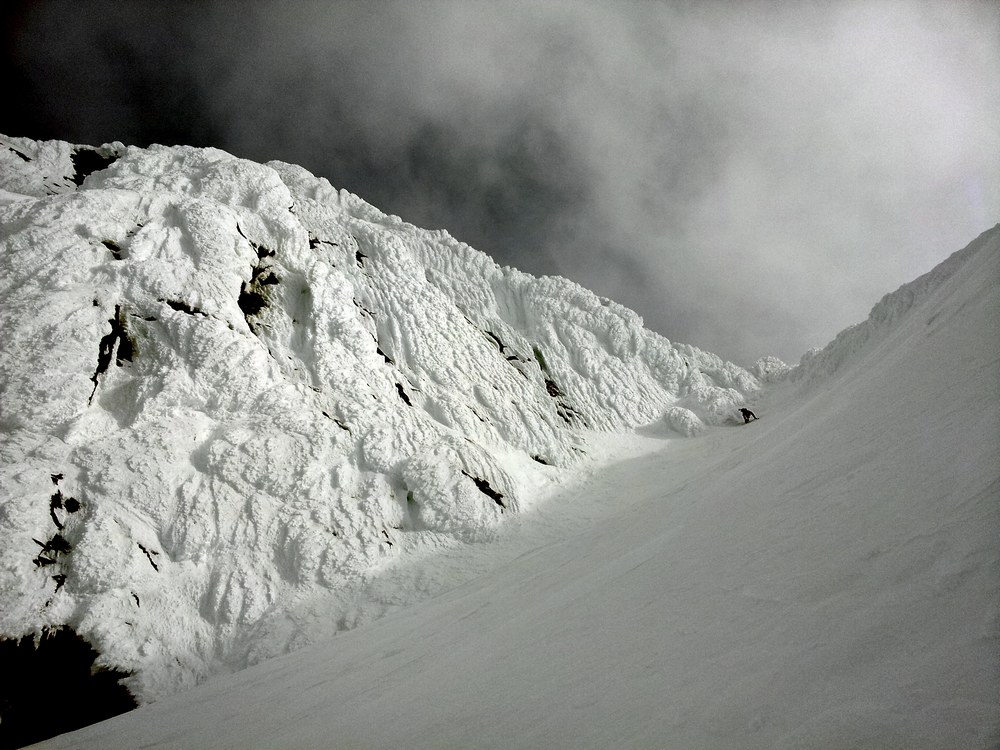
230, 394
825, 577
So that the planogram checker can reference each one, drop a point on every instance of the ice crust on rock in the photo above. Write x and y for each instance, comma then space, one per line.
257, 389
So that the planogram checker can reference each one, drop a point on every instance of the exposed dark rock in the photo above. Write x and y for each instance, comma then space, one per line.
125, 348
54, 688
402, 394
483, 486
86, 161
183, 307
116, 250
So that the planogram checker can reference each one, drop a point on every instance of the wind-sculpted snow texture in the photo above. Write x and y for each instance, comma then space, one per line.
229, 391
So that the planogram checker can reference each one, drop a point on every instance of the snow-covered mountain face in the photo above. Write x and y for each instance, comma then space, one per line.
826, 577
230, 392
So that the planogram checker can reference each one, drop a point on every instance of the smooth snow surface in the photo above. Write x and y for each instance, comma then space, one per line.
231, 394
825, 577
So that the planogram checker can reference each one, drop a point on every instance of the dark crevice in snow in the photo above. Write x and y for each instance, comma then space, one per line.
261, 250
570, 415
540, 358
183, 307
116, 250
386, 357
51, 549
125, 348
253, 294
149, 556
23, 156
402, 394
337, 422
58, 501
54, 687
496, 340
251, 302
315, 242
86, 161
483, 486
55, 503
566, 412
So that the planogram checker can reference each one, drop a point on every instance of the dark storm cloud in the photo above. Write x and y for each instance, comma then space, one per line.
751, 177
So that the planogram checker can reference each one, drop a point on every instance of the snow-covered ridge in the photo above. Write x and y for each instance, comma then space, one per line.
228, 391
886, 317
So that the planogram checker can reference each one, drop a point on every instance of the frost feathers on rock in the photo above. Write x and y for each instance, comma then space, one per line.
258, 388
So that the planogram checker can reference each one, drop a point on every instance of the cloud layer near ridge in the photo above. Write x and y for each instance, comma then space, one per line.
750, 177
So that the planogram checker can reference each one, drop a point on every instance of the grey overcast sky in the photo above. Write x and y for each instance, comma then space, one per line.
751, 177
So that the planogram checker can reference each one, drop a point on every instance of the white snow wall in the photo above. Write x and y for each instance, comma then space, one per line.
228, 389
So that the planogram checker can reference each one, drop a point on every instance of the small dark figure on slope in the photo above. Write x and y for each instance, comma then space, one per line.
747, 415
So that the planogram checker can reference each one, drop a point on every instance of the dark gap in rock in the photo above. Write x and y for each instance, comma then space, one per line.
86, 161
126, 347
55, 546
570, 415
56, 503
25, 157
315, 242
251, 302
337, 422
360, 258
56, 478
116, 250
149, 556
71, 504
539, 357
496, 340
54, 688
402, 394
540, 460
183, 307
364, 309
384, 356
552, 388
483, 486
258, 276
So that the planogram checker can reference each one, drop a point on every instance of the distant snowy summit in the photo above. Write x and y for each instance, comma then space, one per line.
228, 391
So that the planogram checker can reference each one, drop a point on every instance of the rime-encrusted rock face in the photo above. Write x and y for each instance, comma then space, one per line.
256, 388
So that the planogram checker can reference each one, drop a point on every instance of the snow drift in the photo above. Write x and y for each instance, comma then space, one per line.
230, 392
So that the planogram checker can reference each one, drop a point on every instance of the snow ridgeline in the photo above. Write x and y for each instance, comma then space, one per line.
888, 318
227, 389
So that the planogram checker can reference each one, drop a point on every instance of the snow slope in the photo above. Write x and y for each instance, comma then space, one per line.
826, 577
230, 394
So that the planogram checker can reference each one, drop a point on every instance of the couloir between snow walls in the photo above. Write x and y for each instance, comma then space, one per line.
257, 389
